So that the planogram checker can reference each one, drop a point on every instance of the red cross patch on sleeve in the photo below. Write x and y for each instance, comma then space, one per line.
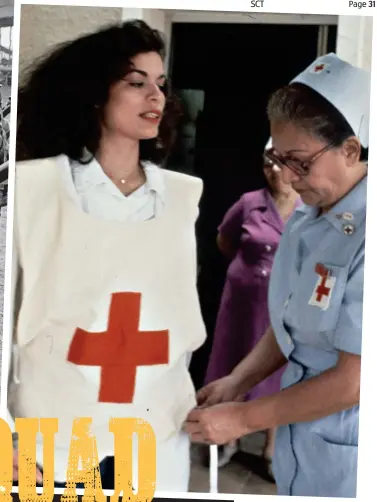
323, 289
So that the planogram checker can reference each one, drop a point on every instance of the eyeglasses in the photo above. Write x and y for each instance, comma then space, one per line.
300, 167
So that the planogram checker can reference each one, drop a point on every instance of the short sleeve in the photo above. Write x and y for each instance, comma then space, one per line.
231, 226
348, 333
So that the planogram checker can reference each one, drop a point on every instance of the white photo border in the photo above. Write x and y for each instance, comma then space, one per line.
368, 415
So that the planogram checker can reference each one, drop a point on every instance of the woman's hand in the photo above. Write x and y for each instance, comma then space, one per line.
220, 391
261, 362
219, 424
39, 476
226, 246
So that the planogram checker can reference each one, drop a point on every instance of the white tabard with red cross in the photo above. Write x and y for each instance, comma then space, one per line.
106, 324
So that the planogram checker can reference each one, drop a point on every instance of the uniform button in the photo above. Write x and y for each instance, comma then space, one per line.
268, 247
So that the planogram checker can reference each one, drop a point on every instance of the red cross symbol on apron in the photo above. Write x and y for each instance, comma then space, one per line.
120, 350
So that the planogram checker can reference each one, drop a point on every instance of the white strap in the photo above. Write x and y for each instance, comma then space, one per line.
213, 468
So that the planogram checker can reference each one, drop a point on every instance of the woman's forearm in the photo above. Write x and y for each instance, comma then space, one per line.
262, 361
334, 390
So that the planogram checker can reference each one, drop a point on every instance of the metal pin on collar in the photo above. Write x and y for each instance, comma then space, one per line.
347, 216
348, 229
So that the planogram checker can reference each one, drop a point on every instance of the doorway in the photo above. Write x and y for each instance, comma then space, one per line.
224, 74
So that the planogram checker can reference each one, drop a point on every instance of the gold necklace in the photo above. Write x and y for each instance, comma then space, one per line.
125, 179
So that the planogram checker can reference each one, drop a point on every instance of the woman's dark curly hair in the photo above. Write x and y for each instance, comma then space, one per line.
61, 103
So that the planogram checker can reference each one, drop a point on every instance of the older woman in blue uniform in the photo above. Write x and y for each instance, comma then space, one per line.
319, 128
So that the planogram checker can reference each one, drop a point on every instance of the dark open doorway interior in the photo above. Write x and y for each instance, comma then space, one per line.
237, 66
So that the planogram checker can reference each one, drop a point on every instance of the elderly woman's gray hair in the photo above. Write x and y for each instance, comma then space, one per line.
306, 109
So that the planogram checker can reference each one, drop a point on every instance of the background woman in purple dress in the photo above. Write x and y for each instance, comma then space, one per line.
249, 235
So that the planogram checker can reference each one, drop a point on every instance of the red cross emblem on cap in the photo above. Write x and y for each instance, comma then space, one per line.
319, 68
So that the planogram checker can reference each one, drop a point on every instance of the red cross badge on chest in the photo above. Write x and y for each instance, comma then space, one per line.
120, 350
323, 289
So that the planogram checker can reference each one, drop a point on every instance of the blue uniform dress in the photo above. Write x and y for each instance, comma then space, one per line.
315, 304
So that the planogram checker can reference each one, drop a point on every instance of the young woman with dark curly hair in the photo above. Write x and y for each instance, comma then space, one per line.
105, 250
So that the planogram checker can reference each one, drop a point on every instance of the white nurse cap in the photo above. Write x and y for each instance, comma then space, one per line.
345, 86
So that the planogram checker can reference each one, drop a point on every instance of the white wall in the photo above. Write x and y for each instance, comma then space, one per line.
43, 26
354, 43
